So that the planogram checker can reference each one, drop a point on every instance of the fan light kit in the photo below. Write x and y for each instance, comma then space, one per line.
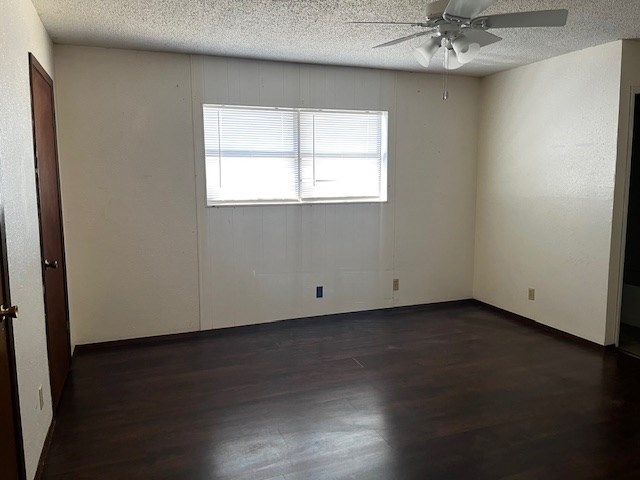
456, 26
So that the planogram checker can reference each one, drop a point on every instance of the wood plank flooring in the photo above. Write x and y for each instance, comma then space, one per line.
449, 392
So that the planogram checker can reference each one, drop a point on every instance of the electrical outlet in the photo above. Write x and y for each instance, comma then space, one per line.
319, 291
532, 294
396, 284
41, 397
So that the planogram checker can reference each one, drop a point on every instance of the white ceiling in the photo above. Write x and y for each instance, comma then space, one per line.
314, 31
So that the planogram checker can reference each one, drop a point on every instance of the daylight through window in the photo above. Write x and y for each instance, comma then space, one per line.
257, 155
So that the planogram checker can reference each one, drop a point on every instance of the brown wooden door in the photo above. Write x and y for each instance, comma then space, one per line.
51, 236
11, 454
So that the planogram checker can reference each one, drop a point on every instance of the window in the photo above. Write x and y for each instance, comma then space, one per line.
260, 155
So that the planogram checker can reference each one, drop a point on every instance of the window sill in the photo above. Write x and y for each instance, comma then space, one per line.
332, 201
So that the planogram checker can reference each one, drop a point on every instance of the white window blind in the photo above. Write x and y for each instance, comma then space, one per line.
341, 154
260, 155
251, 154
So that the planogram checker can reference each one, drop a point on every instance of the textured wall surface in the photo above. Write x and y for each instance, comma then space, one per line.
20, 33
547, 162
126, 165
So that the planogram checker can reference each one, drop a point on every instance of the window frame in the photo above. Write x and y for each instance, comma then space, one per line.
384, 160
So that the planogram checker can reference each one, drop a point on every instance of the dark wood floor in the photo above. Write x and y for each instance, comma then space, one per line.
455, 392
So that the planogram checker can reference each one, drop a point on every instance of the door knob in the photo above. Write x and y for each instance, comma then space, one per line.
11, 311
50, 264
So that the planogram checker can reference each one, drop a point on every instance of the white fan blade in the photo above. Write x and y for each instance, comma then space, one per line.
403, 39
467, 8
436, 8
543, 18
481, 37
413, 24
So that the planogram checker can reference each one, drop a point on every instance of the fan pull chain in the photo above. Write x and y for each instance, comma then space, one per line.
445, 75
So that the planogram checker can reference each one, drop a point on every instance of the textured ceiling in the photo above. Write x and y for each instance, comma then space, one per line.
314, 31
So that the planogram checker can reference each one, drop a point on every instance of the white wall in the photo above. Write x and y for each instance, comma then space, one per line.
22, 32
261, 264
546, 168
125, 118
127, 176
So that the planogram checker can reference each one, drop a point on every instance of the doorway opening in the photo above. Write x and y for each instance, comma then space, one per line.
629, 335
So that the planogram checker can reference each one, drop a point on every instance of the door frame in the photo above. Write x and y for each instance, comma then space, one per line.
13, 372
34, 64
633, 91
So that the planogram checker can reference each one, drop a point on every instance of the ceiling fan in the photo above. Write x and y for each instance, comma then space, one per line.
457, 26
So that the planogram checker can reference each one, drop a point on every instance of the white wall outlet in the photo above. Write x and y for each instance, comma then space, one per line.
41, 397
396, 284
532, 294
